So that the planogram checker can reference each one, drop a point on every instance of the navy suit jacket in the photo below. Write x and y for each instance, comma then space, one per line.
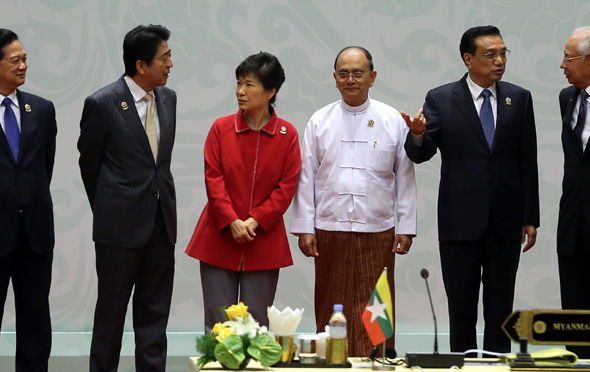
24, 183
478, 183
123, 182
575, 198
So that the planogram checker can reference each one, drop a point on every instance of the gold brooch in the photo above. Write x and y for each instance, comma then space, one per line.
124, 105
27, 108
283, 130
508, 101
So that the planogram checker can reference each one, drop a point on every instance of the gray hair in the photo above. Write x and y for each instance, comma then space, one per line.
584, 43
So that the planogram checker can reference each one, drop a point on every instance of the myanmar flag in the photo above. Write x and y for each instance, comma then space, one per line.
378, 314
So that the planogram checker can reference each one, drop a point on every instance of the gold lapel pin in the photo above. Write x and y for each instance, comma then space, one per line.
28, 108
124, 105
371, 123
508, 101
283, 130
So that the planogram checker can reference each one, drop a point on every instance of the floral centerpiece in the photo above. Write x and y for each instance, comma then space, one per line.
233, 342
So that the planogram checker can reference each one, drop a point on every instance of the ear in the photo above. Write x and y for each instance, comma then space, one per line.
270, 93
467, 59
140, 66
373, 76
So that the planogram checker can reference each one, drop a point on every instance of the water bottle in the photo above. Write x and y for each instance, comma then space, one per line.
337, 343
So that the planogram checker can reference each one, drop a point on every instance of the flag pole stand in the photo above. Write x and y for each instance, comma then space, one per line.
384, 366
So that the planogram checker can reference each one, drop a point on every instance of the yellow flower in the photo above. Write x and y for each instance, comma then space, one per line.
217, 328
224, 332
239, 310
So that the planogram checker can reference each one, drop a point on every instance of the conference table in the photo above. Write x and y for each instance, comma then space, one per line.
471, 365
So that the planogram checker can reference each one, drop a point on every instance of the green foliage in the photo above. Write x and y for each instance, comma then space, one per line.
206, 347
266, 350
230, 352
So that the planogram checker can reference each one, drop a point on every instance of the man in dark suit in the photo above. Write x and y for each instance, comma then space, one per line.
488, 200
27, 152
126, 138
573, 228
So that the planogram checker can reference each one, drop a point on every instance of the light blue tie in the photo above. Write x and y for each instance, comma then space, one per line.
11, 127
486, 116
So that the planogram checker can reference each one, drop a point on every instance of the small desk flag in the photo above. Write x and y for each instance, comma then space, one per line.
378, 315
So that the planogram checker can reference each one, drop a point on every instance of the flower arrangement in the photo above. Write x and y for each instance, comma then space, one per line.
233, 342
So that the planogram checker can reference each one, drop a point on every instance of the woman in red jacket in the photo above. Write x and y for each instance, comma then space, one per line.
252, 162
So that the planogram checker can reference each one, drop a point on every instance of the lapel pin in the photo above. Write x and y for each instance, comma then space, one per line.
371, 123
124, 105
508, 101
283, 130
27, 108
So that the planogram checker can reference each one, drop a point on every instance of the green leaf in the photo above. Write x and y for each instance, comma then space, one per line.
206, 347
265, 349
230, 352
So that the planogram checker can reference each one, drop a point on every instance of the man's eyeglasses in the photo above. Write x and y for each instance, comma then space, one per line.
344, 75
567, 60
491, 55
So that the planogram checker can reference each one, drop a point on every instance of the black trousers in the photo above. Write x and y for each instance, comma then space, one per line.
574, 279
148, 272
31, 279
492, 261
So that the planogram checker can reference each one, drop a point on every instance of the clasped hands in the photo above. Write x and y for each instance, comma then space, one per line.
243, 231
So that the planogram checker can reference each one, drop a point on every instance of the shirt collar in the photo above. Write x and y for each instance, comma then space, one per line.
476, 89
270, 127
12, 97
136, 91
355, 109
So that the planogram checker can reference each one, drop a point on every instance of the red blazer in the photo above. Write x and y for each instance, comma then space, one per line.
247, 173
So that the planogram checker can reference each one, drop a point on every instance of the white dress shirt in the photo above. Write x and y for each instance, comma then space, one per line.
478, 98
15, 108
141, 105
355, 174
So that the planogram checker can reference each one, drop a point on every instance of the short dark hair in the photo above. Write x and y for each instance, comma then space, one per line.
467, 44
366, 52
266, 68
6, 37
141, 44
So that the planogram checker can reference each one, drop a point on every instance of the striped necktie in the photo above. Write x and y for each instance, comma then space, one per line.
581, 122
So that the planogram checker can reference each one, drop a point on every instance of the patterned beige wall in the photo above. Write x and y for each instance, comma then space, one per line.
75, 47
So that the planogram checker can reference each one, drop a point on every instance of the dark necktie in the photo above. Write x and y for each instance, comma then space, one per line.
579, 128
486, 116
11, 127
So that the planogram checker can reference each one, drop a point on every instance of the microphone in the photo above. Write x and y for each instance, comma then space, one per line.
436, 359
424, 275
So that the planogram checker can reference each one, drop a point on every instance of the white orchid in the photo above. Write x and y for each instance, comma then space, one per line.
241, 326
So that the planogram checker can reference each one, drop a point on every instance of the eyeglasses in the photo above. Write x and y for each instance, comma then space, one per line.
356, 75
491, 55
567, 60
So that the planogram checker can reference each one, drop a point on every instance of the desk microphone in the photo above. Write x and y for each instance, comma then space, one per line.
434, 360
424, 275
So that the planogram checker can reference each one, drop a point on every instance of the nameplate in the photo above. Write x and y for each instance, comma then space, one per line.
549, 327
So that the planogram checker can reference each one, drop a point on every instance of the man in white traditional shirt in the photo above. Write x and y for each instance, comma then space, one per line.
355, 204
